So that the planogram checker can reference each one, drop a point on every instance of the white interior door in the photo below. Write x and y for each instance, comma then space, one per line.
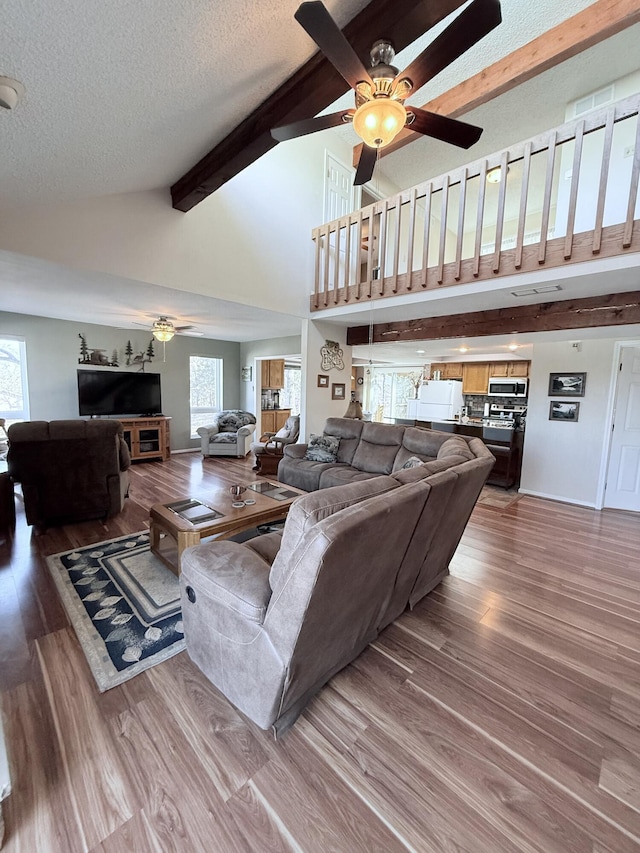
623, 475
338, 186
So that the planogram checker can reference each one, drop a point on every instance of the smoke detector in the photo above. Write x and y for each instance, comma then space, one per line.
10, 92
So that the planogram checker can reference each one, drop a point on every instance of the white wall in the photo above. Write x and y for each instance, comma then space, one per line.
249, 242
562, 460
317, 404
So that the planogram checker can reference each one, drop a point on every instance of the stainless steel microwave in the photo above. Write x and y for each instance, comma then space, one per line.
502, 386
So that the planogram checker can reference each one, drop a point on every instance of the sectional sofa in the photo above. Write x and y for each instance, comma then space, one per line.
269, 621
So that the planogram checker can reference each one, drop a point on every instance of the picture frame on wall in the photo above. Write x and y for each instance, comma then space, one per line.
338, 390
562, 410
247, 374
323, 381
567, 384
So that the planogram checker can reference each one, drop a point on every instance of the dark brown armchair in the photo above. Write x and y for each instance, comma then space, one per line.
69, 470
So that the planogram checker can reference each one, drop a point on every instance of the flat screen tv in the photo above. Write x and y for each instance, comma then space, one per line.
105, 392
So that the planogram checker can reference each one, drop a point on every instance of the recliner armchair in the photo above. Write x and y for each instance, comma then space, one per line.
70, 470
229, 434
273, 443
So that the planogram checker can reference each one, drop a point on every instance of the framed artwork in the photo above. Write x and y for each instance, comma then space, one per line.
246, 374
562, 411
323, 381
338, 391
567, 384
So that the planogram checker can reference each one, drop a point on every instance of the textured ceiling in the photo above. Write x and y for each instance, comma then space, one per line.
124, 96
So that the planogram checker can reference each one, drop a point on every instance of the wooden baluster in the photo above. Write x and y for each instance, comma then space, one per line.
460, 235
427, 232
573, 192
633, 191
412, 228
546, 203
443, 229
336, 265
327, 262
604, 175
480, 216
522, 214
382, 243
316, 285
502, 194
347, 260
396, 246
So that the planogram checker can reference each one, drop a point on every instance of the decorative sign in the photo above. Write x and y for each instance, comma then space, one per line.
332, 356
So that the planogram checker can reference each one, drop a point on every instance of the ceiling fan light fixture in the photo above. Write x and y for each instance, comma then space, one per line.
378, 122
163, 330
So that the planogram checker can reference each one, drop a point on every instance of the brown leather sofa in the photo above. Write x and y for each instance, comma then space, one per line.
271, 620
69, 470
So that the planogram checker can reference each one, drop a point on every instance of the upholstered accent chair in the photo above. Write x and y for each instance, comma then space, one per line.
273, 443
70, 470
229, 434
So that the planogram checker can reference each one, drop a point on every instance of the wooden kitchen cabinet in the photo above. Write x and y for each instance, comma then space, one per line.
271, 420
475, 377
273, 373
510, 368
448, 369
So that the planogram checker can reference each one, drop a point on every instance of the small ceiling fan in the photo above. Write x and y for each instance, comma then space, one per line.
380, 91
163, 329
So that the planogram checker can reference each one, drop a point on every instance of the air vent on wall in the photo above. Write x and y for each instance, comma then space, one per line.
532, 291
593, 101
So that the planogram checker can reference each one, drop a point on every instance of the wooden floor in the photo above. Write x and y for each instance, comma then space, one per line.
503, 714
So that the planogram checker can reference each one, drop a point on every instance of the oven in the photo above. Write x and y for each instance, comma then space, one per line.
501, 386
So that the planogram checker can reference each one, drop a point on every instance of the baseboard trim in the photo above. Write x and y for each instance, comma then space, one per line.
186, 450
559, 498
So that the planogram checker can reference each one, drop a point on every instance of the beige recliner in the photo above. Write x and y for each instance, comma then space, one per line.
229, 433
273, 443
271, 620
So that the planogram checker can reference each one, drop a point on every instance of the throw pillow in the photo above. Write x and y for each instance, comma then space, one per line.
412, 462
322, 448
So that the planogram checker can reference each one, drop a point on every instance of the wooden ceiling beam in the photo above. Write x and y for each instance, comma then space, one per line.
595, 24
311, 89
615, 309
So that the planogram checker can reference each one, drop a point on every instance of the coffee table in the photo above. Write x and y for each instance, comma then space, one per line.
166, 524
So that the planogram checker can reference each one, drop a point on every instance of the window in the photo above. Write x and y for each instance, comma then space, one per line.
205, 383
291, 394
388, 390
14, 396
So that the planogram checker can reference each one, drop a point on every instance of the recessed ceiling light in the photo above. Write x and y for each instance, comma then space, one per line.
531, 291
463, 349
10, 92
420, 351
513, 347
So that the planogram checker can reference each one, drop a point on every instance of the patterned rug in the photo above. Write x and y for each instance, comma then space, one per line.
124, 605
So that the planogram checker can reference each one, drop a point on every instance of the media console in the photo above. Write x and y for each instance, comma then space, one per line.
147, 438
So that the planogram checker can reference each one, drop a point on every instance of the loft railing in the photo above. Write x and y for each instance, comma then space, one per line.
565, 196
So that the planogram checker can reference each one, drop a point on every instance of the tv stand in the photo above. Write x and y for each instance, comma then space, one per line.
147, 437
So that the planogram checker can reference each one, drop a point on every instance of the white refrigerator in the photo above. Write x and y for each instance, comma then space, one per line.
438, 400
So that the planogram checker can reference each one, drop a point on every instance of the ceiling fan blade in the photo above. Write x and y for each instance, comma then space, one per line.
309, 125
446, 129
366, 165
183, 328
319, 24
478, 19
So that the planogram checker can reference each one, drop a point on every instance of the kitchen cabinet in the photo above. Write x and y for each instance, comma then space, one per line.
273, 373
475, 378
448, 369
147, 438
510, 368
271, 420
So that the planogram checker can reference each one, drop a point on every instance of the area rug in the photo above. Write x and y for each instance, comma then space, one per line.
124, 605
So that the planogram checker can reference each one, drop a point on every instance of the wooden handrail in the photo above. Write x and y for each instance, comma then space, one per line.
424, 238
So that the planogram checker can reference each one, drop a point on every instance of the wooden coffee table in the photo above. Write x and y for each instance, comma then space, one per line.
170, 533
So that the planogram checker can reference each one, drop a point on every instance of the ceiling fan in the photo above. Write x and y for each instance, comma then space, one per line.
163, 329
380, 91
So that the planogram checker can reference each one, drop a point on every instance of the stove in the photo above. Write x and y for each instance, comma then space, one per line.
505, 416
